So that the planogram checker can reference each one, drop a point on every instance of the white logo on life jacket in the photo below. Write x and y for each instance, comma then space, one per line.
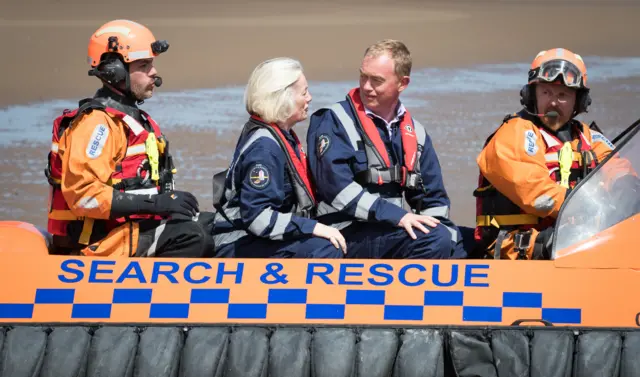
97, 141
408, 128
530, 145
597, 136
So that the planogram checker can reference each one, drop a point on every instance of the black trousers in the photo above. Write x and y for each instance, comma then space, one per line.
177, 238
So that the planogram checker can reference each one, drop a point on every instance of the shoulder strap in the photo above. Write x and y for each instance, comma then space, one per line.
409, 142
86, 106
368, 128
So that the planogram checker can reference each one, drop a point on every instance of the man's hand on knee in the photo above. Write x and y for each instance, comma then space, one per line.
412, 220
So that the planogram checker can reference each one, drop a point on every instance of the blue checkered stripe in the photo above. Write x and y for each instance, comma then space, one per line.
279, 296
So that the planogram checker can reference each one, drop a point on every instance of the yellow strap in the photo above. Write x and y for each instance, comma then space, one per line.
151, 146
63, 215
485, 188
113, 181
162, 144
506, 220
565, 158
577, 157
87, 228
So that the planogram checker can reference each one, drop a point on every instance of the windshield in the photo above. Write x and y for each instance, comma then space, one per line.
608, 196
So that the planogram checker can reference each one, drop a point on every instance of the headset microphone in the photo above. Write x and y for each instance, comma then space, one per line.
158, 81
550, 114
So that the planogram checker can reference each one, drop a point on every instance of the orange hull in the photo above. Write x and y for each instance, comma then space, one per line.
587, 289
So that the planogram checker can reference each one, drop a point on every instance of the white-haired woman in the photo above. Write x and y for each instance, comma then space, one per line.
265, 200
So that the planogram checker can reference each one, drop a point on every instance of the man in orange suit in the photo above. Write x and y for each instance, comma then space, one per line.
110, 171
535, 158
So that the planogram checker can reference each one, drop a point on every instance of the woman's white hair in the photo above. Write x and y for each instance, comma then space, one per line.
268, 93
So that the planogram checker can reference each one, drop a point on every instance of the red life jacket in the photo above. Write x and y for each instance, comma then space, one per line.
495, 211
380, 170
132, 174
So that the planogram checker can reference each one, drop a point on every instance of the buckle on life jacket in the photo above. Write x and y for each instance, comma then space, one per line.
521, 243
411, 180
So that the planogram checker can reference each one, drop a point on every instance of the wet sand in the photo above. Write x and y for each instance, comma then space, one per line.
217, 44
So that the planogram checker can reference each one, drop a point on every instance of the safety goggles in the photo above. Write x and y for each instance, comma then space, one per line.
549, 72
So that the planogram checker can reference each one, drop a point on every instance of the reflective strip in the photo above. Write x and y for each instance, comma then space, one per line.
114, 29
261, 222
548, 139
397, 201
421, 132
442, 211
347, 123
364, 205
325, 208
261, 132
282, 220
233, 213
136, 149
133, 124
144, 191
54, 147
553, 157
227, 238
142, 54
346, 196
156, 236
584, 138
454, 234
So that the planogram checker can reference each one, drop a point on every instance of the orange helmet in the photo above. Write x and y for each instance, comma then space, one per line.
548, 65
128, 39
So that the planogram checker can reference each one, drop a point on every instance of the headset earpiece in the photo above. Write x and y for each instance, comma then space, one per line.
112, 70
526, 98
583, 101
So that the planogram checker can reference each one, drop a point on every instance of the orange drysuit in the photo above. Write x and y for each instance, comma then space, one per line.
520, 180
94, 152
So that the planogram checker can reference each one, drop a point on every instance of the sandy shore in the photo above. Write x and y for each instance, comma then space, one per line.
219, 42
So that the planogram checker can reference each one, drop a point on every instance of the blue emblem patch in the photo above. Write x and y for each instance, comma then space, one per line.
259, 176
323, 144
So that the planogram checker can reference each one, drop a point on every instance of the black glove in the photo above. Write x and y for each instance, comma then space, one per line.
180, 203
175, 202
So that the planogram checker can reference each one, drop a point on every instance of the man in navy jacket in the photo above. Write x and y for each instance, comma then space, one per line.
377, 174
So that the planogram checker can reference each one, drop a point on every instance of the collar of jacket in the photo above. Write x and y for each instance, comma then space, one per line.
109, 98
